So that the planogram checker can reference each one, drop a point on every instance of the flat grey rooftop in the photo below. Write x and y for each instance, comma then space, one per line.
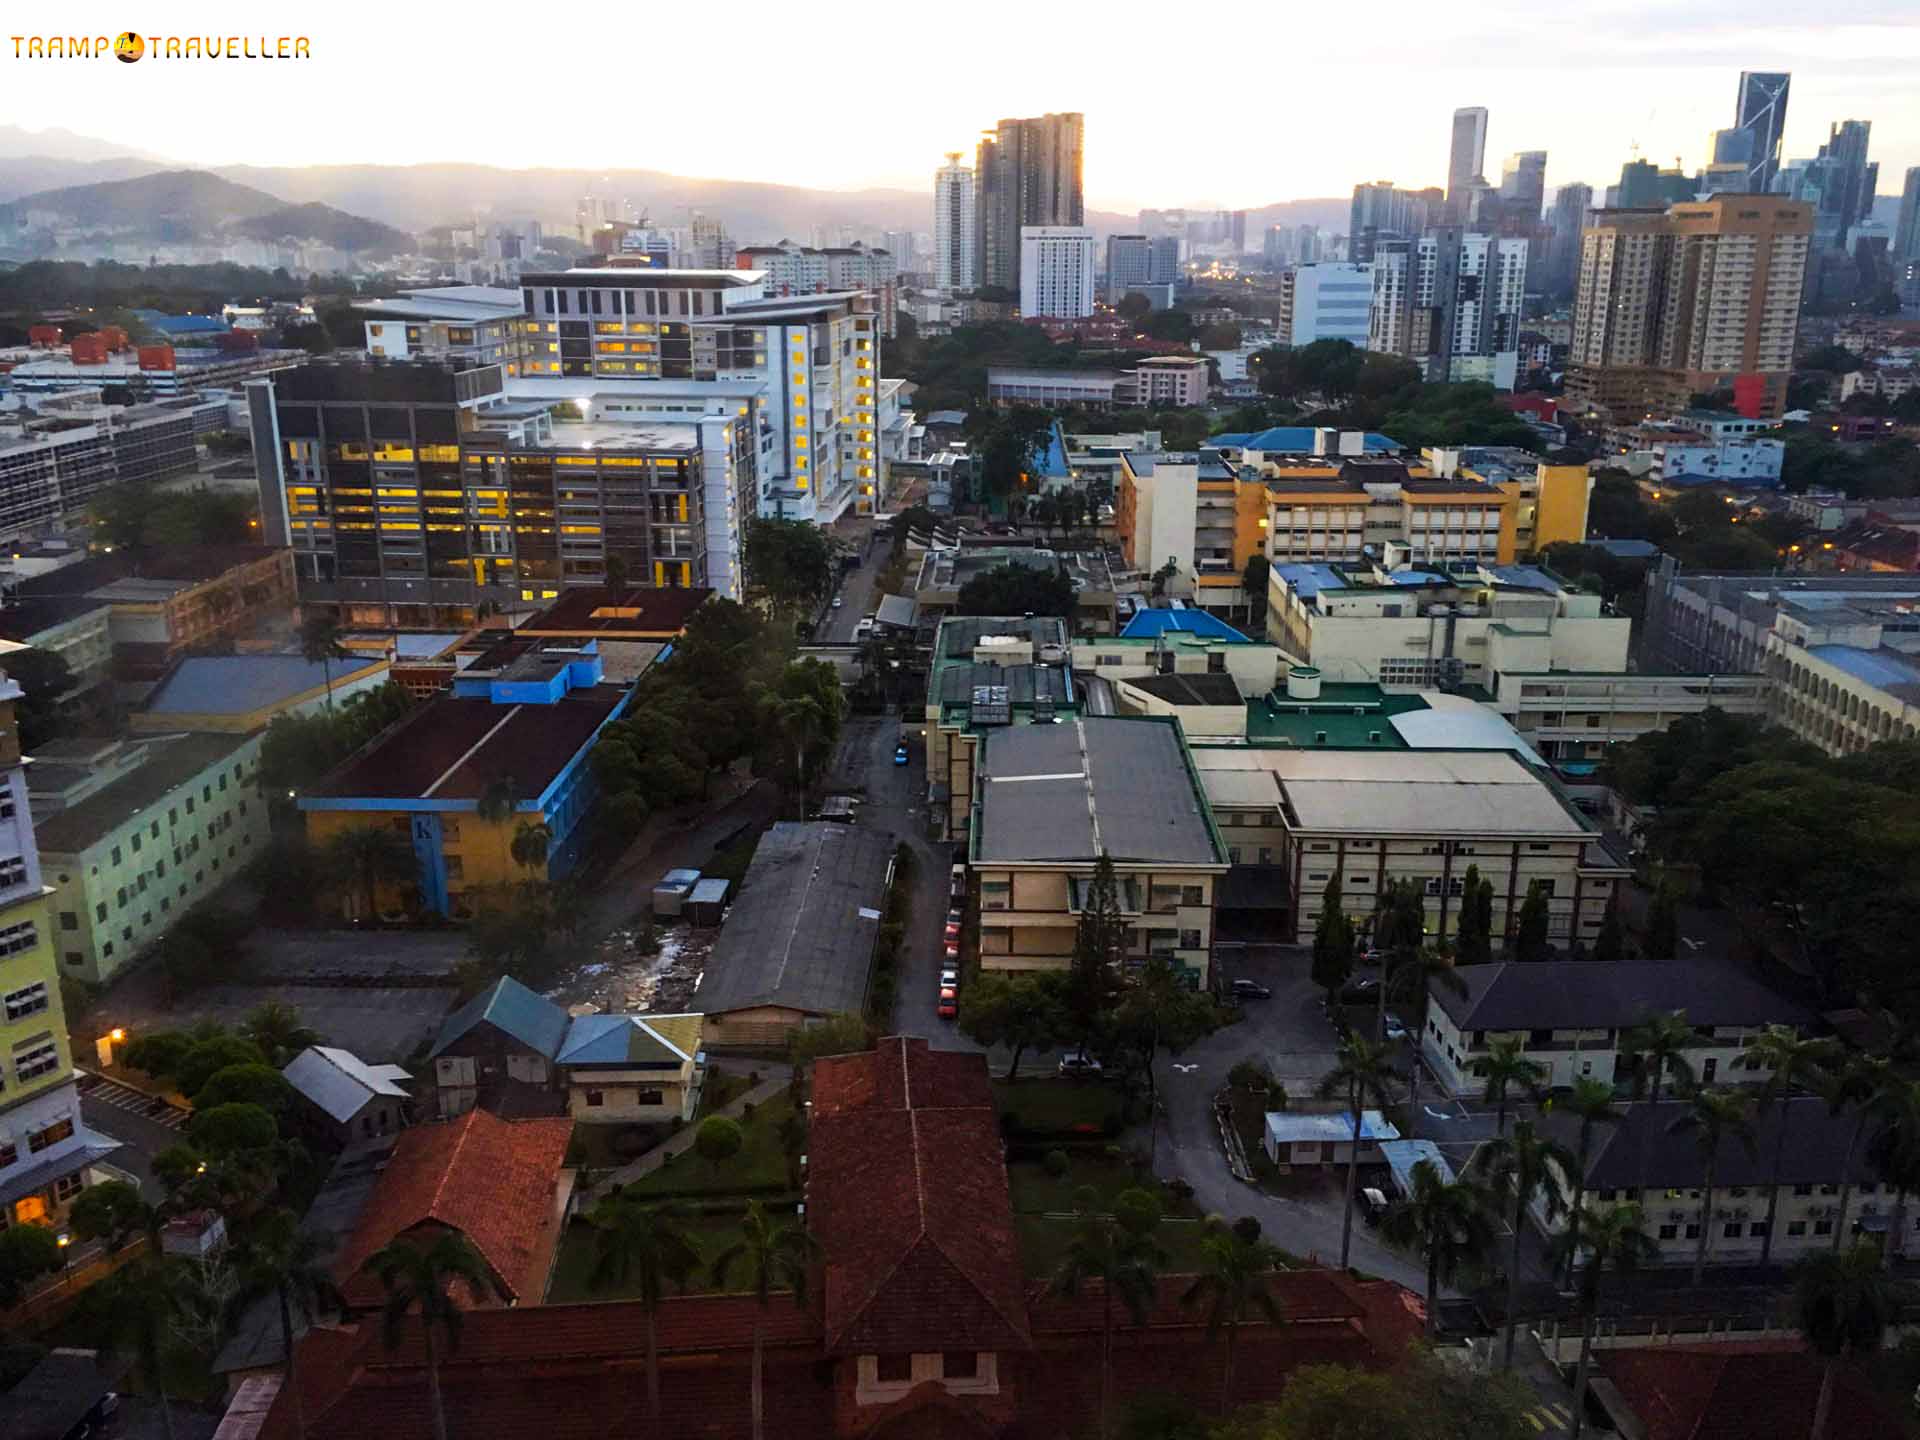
1102, 783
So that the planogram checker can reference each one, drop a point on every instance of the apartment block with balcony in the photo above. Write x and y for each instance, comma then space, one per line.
1050, 800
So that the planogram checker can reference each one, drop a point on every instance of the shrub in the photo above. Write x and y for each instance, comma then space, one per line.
1056, 1163
1138, 1211
718, 1140
1180, 1190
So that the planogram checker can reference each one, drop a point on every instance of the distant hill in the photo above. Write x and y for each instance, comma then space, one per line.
187, 205
54, 143
28, 174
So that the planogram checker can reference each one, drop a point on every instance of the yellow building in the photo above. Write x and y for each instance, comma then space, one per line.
1548, 503
1321, 514
46, 1153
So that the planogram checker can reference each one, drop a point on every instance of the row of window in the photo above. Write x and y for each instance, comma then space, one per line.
27, 1000
38, 1140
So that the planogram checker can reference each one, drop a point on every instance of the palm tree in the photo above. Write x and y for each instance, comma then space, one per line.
1508, 1072
1124, 1262
1521, 1165
275, 1027
777, 1256
1592, 1104
282, 1261
1616, 1241
1655, 1048
423, 1276
320, 644
799, 719
1792, 1062
1411, 983
1854, 1085
496, 806
531, 843
1232, 1284
144, 1301
1446, 1222
1714, 1116
1360, 1073
371, 856
1843, 1304
646, 1246
1895, 1150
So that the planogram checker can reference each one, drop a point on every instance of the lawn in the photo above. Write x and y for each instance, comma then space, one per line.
761, 1164
1060, 1107
573, 1267
1035, 1192
1043, 1244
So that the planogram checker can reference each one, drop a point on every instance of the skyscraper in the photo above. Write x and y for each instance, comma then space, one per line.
1467, 159
1848, 195
1761, 111
1129, 262
1570, 206
1704, 294
1056, 271
1026, 173
1906, 230
955, 226
1523, 185
1382, 212
1451, 302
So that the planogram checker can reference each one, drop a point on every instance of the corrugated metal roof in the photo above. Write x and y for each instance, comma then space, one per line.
1292, 440
1426, 792
533, 1020
1588, 995
630, 1039
1287, 1127
239, 684
1193, 622
340, 1082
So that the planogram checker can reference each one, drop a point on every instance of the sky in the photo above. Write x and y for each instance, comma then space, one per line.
1250, 103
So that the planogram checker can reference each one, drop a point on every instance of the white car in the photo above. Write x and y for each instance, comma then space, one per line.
949, 977
838, 602
1396, 1027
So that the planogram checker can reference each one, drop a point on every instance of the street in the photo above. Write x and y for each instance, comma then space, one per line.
856, 597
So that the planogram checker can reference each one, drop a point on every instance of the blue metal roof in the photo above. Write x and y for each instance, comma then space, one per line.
617, 1039
1308, 579
1053, 460
1527, 577
1417, 577
1294, 440
182, 324
1887, 669
240, 684
533, 1020
1148, 623
1289, 1127
1627, 549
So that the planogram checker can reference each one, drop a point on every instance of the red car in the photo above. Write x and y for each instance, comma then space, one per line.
949, 1006
953, 952
953, 931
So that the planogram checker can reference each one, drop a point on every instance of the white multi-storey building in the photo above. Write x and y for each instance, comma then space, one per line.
1056, 271
1326, 301
954, 225
792, 269
1450, 302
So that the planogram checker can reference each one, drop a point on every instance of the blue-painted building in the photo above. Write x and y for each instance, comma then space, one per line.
522, 735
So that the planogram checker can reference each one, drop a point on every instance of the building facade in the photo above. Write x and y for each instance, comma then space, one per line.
1056, 271
1451, 301
1026, 172
1466, 155
53, 466
955, 228
1760, 109
475, 323
1325, 301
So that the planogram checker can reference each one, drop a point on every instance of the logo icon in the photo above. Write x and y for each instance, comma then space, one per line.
129, 48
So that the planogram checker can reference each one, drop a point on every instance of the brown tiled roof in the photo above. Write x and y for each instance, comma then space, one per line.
907, 1195
490, 1179
649, 613
1731, 1390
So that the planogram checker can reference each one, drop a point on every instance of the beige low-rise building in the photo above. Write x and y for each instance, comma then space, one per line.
1051, 800
632, 1069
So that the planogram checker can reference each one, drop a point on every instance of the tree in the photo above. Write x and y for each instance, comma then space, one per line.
1713, 1116
1399, 927
1017, 590
1332, 942
1099, 943
115, 1211
1654, 1049
1663, 924
281, 1260
1854, 1085
368, 857
1008, 444
775, 1255
1791, 1063
232, 1128
1610, 945
532, 841
789, 564
26, 1253
424, 1276
1361, 1072
274, 1027
1446, 1223
1530, 933
1521, 1166
1423, 1398
211, 1054
1591, 1103
1473, 935
1843, 1304
45, 682
1894, 1150
718, 1140
320, 644
496, 806
142, 1303
1509, 1072
1123, 1259
1021, 1011
1232, 1284
643, 1246
1160, 1009
1133, 306
1253, 579
255, 1086
1616, 1243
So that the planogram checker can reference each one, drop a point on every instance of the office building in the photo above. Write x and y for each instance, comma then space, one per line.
1129, 262
1326, 301
1904, 248
47, 1153
1644, 185
1056, 271
138, 832
791, 269
1166, 382
1381, 211
1523, 185
474, 323
1849, 182
1568, 216
1452, 303
1026, 173
1466, 158
53, 464
955, 227
1700, 296
1761, 111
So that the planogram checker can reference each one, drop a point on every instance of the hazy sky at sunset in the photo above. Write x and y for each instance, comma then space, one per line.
1246, 104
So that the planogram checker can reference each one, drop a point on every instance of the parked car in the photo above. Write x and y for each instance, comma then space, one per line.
1373, 1205
957, 887
951, 952
863, 629
1396, 1027
1249, 990
1360, 992
949, 1006
838, 602
1080, 1067
954, 916
900, 754
949, 977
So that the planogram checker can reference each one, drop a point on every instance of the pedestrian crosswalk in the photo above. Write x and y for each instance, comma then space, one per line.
1551, 1419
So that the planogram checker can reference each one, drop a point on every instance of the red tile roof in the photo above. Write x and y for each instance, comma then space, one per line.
907, 1195
490, 1179
1764, 1390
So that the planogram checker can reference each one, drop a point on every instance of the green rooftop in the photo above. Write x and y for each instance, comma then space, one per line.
1346, 716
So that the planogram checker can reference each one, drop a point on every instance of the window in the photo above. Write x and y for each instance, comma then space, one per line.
13, 870
1730, 1231
1758, 1227
1796, 1227
9, 1152
655, 1096
1693, 1231
100, 911
1823, 1227
1667, 1232
116, 854
68, 1186
16, 938
27, 1000
893, 1369
38, 1140
1193, 895
960, 1364
596, 1098
69, 920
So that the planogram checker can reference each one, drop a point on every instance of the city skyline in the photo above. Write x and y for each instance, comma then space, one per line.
1648, 76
